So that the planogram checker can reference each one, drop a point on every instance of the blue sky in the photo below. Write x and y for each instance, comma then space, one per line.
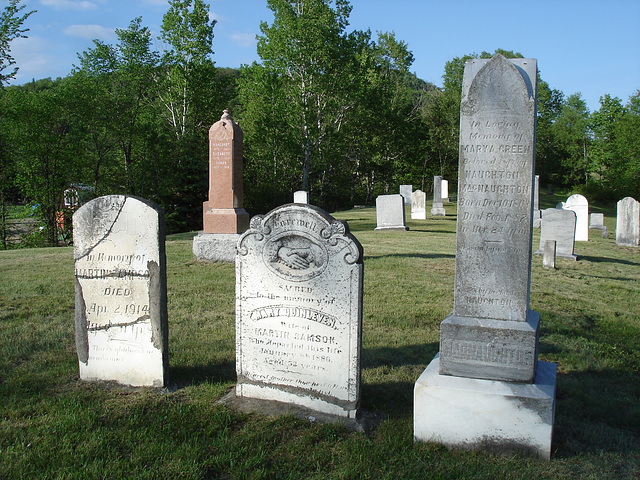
586, 46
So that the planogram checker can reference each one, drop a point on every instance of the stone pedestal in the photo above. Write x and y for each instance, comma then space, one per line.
223, 217
215, 247
471, 414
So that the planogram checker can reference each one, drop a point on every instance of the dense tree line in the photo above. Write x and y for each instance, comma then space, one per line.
333, 112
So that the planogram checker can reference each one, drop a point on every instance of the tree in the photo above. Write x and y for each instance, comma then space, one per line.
603, 151
11, 28
44, 144
571, 128
627, 147
188, 32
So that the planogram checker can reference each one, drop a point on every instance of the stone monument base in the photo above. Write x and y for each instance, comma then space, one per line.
215, 247
490, 349
266, 392
398, 227
475, 414
558, 254
438, 210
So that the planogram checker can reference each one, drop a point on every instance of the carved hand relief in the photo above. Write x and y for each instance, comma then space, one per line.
295, 257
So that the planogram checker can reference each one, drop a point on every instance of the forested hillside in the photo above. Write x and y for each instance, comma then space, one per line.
330, 110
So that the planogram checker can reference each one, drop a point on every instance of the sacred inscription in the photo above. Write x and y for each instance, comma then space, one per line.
299, 309
120, 292
495, 195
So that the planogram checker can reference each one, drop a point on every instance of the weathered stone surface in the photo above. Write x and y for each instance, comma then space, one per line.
486, 388
301, 196
121, 299
418, 205
215, 247
405, 191
390, 213
597, 221
628, 222
473, 414
299, 310
437, 210
558, 225
549, 255
579, 204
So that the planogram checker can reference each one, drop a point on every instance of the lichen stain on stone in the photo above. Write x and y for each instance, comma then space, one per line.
155, 307
82, 335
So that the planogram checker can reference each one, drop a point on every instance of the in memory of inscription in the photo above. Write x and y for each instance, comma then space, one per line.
299, 310
121, 310
495, 198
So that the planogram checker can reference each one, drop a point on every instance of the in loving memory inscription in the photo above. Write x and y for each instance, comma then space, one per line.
121, 318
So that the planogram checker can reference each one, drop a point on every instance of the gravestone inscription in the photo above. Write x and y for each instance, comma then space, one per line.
121, 299
299, 310
486, 387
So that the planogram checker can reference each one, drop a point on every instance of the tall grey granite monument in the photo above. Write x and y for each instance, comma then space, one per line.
486, 387
121, 291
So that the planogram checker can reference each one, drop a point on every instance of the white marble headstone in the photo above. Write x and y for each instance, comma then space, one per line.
445, 190
390, 213
299, 310
579, 204
121, 300
418, 205
301, 196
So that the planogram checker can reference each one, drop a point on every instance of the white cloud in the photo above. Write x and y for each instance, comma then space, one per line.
30, 60
90, 32
243, 39
69, 4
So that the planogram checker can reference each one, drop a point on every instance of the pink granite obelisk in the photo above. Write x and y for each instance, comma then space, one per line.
223, 216
223, 212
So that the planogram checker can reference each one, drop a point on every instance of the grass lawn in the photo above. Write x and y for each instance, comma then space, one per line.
54, 426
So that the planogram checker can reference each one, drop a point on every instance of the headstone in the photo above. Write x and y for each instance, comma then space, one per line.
560, 226
597, 221
628, 222
605, 232
405, 191
224, 217
549, 256
390, 213
418, 205
437, 210
445, 190
121, 293
301, 196
536, 202
299, 311
486, 388
579, 204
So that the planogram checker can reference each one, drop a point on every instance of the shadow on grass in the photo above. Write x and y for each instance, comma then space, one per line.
596, 412
198, 374
607, 260
411, 255
399, 356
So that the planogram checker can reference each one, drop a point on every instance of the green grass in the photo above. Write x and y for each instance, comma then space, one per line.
54, 426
